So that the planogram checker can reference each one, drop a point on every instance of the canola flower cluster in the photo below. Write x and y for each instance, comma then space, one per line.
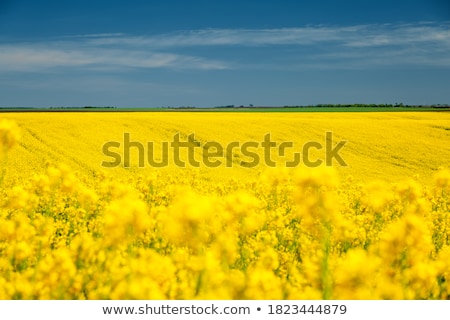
290, 234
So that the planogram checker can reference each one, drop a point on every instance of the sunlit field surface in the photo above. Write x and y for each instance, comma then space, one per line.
375, 226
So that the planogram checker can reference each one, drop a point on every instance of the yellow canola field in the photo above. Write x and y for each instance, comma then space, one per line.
380, 145
374, 227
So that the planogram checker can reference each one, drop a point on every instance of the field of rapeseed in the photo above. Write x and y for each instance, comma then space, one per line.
70, 229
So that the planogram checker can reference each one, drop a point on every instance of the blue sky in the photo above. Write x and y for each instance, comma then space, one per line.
210, 53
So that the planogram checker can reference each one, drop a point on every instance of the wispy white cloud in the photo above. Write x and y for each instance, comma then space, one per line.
359, 35
232, 37
40, 56
402, 35
426, 44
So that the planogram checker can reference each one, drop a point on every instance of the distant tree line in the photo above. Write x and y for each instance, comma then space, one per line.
85, 107
364, 105
182, 107
330, 105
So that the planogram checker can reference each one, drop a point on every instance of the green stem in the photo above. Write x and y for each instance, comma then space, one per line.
326, 276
